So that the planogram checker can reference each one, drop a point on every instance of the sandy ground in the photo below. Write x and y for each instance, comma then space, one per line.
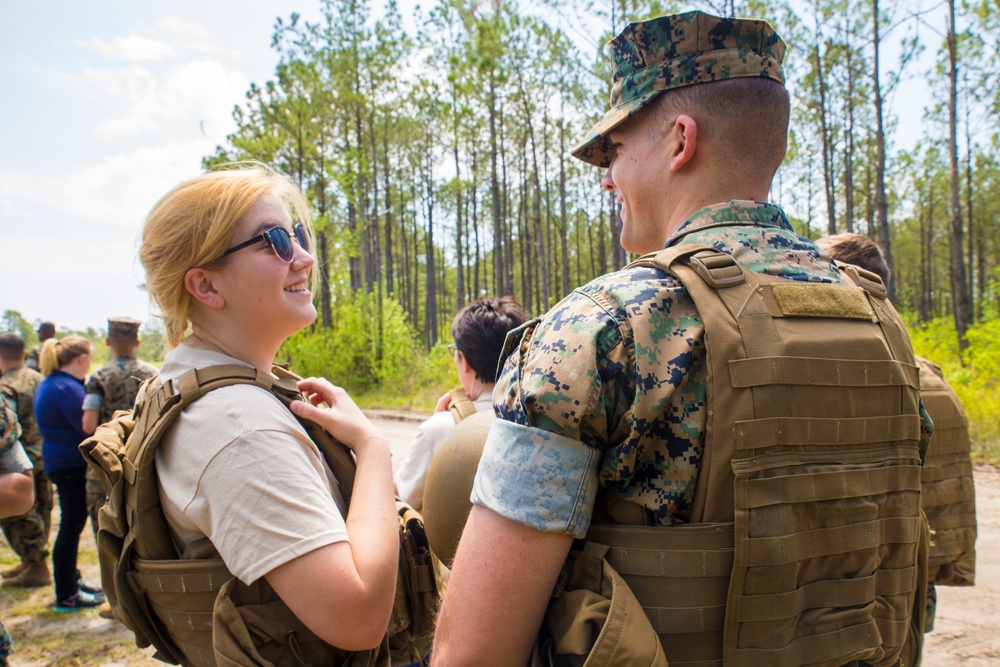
967, 630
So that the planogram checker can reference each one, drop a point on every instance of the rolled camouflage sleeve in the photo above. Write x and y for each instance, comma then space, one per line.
94, 398
559, 402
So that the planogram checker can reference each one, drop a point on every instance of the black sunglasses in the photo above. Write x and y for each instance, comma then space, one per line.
279, 240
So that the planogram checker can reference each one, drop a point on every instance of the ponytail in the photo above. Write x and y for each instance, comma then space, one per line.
57, 353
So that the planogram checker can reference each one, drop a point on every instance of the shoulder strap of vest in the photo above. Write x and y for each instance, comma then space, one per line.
158, 406
460, 407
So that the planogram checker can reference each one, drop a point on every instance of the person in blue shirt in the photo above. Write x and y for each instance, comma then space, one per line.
59, 412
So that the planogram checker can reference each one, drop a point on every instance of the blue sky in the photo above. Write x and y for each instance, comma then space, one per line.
110, 103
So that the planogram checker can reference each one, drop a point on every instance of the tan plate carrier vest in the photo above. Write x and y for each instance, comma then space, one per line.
948, 495
173, 602
805, 538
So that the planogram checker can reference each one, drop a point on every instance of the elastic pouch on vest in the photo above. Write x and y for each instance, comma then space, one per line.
255, 633
596, 620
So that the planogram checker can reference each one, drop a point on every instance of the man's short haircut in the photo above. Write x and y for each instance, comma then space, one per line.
11, 347
745, 119
858, 250
123, 342
480, 328
46, 330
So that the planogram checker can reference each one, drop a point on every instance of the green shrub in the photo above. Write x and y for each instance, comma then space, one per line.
973, 375
378, 361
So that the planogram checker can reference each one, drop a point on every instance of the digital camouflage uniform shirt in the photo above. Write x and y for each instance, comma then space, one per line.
13, 459
112, 387
115, 385
19, 385
609, 387
28, 534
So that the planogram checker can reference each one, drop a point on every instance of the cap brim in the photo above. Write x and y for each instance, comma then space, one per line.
596, 148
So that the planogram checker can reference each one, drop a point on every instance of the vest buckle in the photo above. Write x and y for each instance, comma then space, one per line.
717, 268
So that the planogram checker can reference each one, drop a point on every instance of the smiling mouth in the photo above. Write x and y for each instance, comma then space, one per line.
298, 287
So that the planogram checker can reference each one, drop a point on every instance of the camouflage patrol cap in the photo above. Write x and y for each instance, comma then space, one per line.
123, 325
675, 51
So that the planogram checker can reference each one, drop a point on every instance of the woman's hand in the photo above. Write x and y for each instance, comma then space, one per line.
343, 419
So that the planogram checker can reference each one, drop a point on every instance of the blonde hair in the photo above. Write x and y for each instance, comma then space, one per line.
57, 353
193, 224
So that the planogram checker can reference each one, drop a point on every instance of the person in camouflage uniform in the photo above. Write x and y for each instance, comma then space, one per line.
16, 488
608, 389
28, 534
113, 387
46, 330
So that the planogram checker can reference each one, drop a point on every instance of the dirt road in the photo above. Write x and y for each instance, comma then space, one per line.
967, 632
967, 629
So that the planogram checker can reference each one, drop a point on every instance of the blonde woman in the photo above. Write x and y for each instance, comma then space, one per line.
228, 262
59, 413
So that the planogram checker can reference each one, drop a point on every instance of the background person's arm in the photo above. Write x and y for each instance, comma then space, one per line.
17, 493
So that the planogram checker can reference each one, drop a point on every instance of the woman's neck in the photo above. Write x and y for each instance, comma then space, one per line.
237, 347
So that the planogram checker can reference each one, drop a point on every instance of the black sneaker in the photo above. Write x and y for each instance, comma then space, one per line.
88, 586
79, 600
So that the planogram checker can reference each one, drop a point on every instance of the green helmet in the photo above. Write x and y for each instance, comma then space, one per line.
449, 484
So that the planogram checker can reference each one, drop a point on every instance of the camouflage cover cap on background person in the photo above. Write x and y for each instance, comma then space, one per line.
679, 50
123, 325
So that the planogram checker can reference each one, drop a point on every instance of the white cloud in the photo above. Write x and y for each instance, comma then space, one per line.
134, 48
170, 99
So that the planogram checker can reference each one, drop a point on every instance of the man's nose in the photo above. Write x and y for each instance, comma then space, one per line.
606, 181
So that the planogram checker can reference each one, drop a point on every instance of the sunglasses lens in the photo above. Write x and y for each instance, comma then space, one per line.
280, 241
302, 236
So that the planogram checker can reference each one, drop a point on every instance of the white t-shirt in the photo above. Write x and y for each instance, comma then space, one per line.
412, 472
238, 468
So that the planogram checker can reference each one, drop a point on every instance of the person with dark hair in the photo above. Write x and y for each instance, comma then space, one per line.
948, 492
699, 424
479, 330
46, 330
849, 248
59, 408
27, 534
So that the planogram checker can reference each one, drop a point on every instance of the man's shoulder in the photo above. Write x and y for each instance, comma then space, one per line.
22, 380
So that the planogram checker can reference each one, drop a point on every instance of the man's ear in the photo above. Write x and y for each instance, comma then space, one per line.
198, 283
683, 142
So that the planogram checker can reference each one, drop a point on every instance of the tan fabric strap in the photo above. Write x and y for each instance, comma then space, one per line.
771, 551
828, 593
759, 433
818, 486
821, 372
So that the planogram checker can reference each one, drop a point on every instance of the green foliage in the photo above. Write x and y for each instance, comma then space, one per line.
14, 322
972, 374
375, 358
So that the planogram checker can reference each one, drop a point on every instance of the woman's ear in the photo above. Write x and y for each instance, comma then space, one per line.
198, 283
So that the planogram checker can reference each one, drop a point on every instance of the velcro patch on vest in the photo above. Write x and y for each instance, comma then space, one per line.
811, 300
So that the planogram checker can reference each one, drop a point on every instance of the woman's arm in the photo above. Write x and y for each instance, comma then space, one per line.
344, 591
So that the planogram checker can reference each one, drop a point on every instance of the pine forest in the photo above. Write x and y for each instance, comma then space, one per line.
433, 146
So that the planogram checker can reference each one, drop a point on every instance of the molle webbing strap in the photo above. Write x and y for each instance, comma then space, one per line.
461, 407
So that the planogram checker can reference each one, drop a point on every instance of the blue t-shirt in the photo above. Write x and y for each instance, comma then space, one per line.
59, 412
